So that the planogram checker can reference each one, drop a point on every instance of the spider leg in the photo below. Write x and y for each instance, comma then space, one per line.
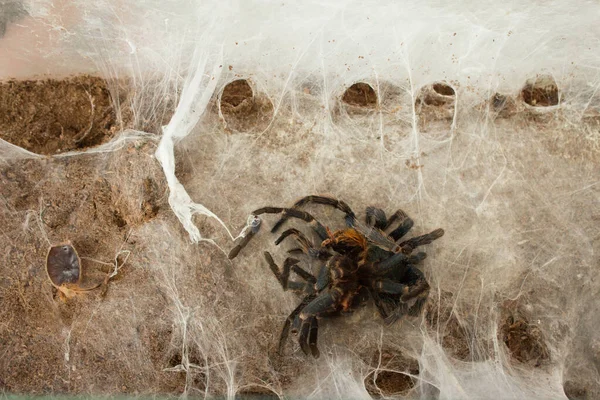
378, 304
402, 229
396, 263
306, 246
389, 286
312, 338
323, 278
288, 322
283, 276
254, 228
290, 212
410, 244
299, 236
324, 303
329, 201
398, 215
418, 291
375, 217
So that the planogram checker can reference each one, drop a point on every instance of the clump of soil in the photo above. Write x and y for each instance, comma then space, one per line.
540, 91
524, 340
55, 116
242, 109
360, 95
393, 374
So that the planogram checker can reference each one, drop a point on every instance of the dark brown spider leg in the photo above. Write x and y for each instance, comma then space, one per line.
389, 286
282, 276
324, 303
306, 247
323, 278
303, 215
375, 217
329, 201
312, 338
254, 228
394, 263
413, 243
378, 304
297, 250
417, 258
402, 229
288, 322
398, 215
299, 236
417, 286
304, 275
418, 291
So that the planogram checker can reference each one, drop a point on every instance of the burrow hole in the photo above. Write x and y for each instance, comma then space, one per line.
541, 91
524, 340
235, 93
360, 94
394, 376
443, 89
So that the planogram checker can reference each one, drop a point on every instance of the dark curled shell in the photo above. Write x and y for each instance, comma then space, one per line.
63, 265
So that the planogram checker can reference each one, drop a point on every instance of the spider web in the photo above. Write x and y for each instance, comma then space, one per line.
443, 131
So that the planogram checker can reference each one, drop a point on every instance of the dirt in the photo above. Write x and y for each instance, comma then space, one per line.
361, 95
244, 110
442, 321
49, 345
83, 200
394, 374
55, 116
524, 340
540, 91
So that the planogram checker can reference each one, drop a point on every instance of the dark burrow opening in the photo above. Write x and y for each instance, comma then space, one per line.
443, 89
541, 91
394, 375
235, 93
360, 94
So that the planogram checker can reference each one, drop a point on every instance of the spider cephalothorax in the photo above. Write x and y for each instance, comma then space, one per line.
355, 263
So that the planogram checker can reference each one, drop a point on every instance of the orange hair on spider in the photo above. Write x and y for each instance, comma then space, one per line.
351, 237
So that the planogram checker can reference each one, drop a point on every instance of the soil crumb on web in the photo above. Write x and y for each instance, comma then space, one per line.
55, 116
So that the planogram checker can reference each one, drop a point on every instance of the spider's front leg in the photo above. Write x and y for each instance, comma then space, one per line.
291, 212
252, 228
324, 200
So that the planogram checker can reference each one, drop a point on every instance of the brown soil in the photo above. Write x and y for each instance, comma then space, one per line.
440, 318
242, 109
541, 91
361, 95
392, 375
55, 116
524, 340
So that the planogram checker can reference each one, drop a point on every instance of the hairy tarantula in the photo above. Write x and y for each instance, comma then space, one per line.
356, 263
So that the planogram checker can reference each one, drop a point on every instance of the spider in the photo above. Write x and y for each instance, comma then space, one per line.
355, 263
